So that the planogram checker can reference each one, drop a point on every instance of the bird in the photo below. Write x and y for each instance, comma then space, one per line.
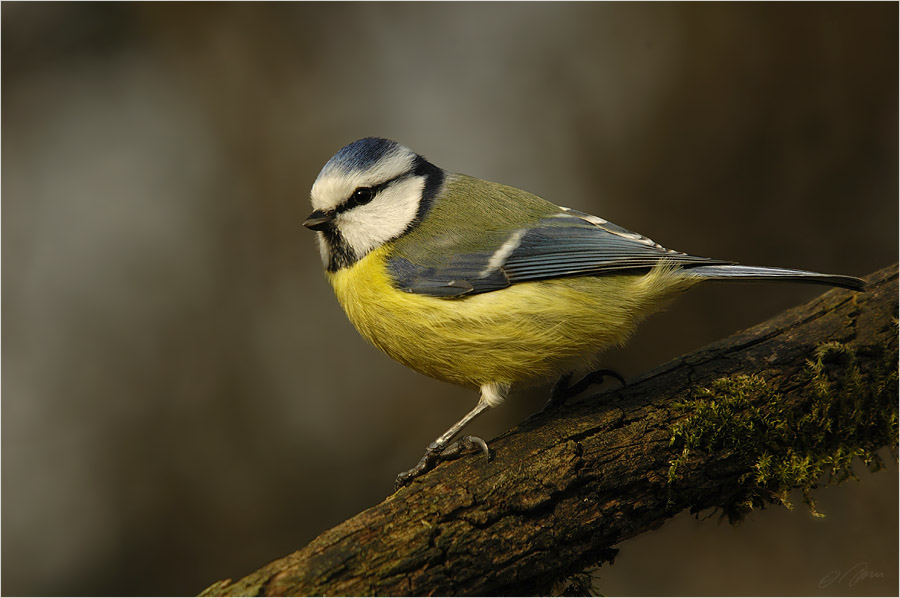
485, 285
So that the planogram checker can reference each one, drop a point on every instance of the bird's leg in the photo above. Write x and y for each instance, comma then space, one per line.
435, 450
491, 395
562, 391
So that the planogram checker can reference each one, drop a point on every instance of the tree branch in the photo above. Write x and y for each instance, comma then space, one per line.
786, 404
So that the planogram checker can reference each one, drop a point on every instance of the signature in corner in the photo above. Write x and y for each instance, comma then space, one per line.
852, 576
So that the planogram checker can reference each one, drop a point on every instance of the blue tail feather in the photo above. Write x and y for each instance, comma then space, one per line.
736, 272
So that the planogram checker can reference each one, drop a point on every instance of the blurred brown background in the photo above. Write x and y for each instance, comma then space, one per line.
183, 399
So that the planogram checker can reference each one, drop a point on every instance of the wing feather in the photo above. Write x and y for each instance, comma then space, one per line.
567, 244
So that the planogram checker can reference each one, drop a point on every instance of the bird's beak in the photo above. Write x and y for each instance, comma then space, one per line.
318, 220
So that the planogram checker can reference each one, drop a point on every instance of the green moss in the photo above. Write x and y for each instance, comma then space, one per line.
835, 413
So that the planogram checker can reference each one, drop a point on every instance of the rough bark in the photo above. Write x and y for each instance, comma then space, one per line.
811, 388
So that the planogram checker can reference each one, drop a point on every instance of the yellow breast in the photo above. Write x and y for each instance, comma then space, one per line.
527, 331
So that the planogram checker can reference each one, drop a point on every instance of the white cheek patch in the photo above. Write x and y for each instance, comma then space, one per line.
387, 217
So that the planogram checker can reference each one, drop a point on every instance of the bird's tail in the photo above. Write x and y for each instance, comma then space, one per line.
738, 272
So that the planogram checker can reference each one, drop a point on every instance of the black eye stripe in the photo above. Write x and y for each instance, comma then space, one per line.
354, 201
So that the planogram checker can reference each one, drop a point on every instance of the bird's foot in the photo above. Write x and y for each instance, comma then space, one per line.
435, 453
562, 391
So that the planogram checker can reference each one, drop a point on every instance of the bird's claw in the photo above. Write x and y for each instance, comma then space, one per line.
466, 442
436, 453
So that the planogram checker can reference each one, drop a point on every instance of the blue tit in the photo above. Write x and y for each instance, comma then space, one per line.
484, 285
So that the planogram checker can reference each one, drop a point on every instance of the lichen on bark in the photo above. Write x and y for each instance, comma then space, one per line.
835, 413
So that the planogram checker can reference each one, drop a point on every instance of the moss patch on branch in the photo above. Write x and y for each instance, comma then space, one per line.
837, 413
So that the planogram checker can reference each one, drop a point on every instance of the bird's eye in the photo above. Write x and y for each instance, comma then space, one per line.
363, 195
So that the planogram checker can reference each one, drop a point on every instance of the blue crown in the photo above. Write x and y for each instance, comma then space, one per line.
361, 155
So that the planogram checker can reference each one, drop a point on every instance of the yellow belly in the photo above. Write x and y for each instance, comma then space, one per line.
524, 332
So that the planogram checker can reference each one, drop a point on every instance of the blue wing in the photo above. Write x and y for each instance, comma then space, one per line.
568, 244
